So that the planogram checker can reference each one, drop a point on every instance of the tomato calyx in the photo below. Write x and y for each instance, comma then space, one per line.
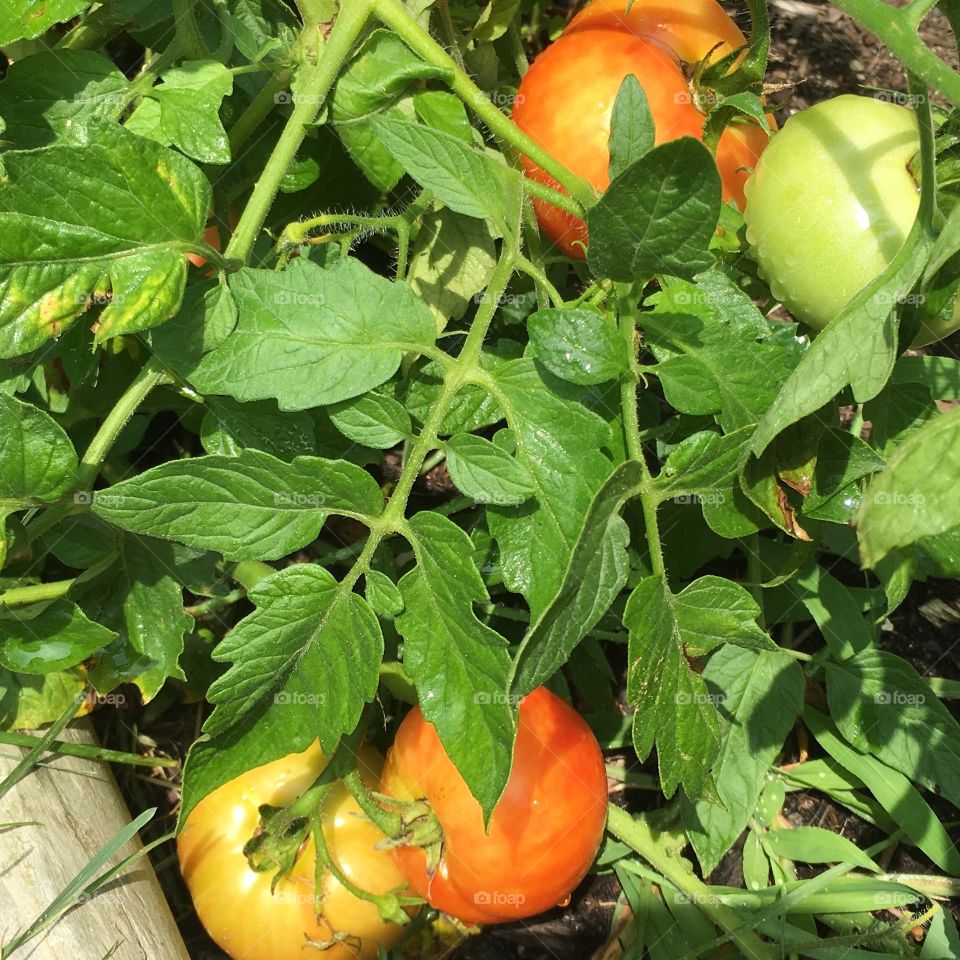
406, 823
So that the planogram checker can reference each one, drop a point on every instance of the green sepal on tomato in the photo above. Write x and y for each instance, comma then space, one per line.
565, 100
831, 202
544, 833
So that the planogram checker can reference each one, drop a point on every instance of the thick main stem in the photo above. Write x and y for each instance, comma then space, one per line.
310, 97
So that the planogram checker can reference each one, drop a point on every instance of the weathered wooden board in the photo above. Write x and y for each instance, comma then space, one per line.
80, 808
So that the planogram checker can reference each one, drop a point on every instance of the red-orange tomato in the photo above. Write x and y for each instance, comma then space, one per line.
235, 904
690, 31
212, 236
544, 833
565, 101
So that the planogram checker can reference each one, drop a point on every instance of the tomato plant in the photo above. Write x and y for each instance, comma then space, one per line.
545, 829
566, 99
244, 912
386, 466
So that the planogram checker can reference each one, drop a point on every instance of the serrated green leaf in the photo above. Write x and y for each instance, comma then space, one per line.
28, 702
311, 336
560, 442
915, 495
675, 710
383, 594
54, 637
702, 463
658, 216
462, 178
248, 507
230, 427
303, 665
26, 19
485, 472
183, 109
111, 214
139, 598
883, 706
459, 665
384, 71
375, 420
596, 572
714, 611
579, 345
451, 264
835, 610
762, 695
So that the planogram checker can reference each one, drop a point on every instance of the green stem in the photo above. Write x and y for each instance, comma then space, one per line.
35, 593
631, 426
542, 192
86, 751
215, 603
540, 277
754, 575
389, 822
187, 30
637, 834
150, 376
248, 573
433, 462
450, 32
312, 94
897, 32
398, 18
251, 119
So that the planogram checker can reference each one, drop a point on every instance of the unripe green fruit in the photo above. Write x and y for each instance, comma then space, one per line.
831, 202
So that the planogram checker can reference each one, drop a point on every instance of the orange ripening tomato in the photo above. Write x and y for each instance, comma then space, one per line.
235, 904
565, 101
691, 30
544, 833
212, 236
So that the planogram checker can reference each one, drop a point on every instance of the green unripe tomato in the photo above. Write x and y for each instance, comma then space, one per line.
831, 202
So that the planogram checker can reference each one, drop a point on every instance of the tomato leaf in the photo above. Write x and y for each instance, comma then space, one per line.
596, 573
302, 666
37, 461
762, 693
675, 710
45, 638
883, 706
559, 442
53, 96
716, 353
251, 506
374, 420
26, 19
229, 427
107, 215
632, 130
915, 495
579, 345
459, 665
658, 216
461, 177
702, 463
311, 336
451, 263
139, 598
484, 471
183, 110
377, 83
